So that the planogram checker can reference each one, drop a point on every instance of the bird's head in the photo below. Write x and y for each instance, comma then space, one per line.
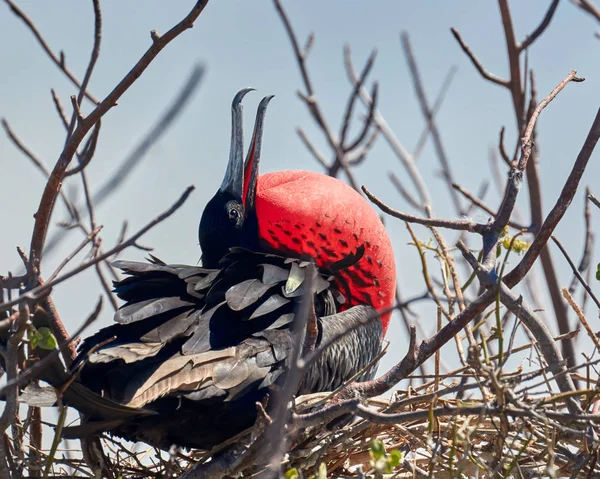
229, 218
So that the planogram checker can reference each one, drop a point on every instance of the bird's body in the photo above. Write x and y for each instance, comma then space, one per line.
195, 348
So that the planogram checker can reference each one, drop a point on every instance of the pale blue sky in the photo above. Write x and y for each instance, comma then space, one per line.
243, 43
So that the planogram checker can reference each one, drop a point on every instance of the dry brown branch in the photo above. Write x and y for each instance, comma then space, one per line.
588, 7
476, 63
588, 243
481, 205
37, 162
10, 355
459, 225
533, 36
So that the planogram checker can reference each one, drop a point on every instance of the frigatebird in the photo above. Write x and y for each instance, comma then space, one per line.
195, 347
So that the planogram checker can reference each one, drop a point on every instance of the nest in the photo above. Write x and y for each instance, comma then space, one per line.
476, 421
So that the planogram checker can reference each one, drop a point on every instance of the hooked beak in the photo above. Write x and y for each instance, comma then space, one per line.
241, 176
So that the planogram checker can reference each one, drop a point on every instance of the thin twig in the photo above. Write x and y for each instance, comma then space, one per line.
480, 68
576, 272
574, 306
131, 161
533, 36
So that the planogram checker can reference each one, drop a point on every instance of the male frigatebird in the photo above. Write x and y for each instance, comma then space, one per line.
195, 347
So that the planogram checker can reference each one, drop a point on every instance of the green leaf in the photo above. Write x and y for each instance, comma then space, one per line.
42, 338
396, 458
34, 340
292, 474
598, 272
383, 462
47, 340
377, 449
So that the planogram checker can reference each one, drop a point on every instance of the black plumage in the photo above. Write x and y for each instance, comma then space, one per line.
194, 349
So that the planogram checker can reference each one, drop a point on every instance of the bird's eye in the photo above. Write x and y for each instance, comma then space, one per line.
234, 214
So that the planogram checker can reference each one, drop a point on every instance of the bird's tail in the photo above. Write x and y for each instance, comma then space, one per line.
70, 391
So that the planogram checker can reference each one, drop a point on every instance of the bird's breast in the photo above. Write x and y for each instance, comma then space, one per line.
314, 215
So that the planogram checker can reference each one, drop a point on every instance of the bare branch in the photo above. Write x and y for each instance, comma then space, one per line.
588, 7
480, 68
460, 225
588, 243
533, 36
38, 164
593, 199
403, 191
501, 148
74, 253
588, 329
312, 148
354, 95
516, 175
480, 204
88, 151
576, 272
434, 111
